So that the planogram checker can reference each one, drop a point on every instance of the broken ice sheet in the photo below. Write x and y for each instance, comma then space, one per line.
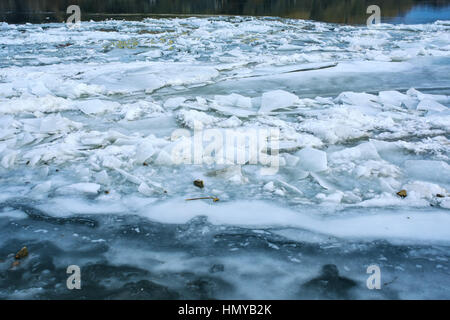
89, 135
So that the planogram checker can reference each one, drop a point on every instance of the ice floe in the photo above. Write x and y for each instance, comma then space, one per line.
355, 120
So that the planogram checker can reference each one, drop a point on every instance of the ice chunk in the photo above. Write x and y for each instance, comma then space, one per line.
428, 170
39, 89
445, 203
144, 151
291, 161
232, 174
374, 168
97, 106
234, 100
45, 104
231, 122
399, 55
48, 60
363, 151
422, 96
7, 90
312, 159
277, 99
308, 140
430, 105
397, 99
145, 189
41, 188
290, 187
173, 103
102, 177
335, 197
134, 111
129, 176
9, 159
151, 54
269, 186
322, 181
83, 188
56, 123
201, 102
195, 119
232, 111
338, 124
83, 89
358, 99
426, 190
167, 158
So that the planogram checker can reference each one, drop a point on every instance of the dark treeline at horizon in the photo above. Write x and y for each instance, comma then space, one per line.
340, 11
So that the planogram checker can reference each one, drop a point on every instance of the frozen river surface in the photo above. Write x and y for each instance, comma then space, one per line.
92, 121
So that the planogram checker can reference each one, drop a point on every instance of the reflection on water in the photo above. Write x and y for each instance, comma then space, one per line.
340, 11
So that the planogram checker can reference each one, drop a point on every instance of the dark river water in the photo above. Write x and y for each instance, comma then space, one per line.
338, 11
